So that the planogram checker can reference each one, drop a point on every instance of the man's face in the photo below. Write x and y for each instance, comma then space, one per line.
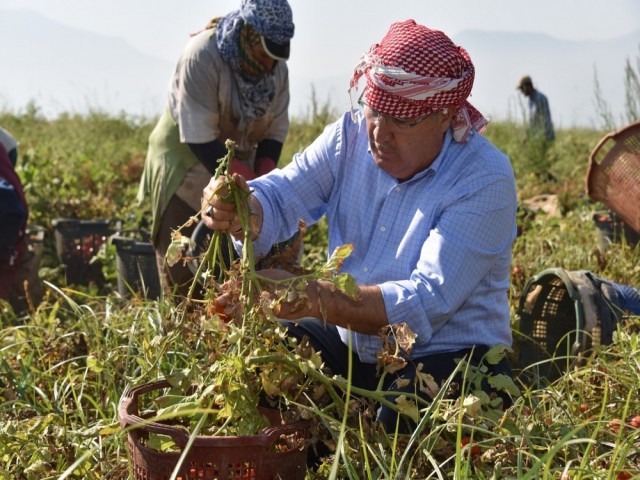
403, 152
526, 89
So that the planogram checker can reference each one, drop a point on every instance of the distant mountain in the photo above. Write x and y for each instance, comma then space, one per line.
563, 70
84, 70
66, 69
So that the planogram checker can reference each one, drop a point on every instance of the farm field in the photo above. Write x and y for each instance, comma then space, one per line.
66, 363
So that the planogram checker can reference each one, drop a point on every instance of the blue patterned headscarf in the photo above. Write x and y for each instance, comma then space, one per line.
273, 20
270, 18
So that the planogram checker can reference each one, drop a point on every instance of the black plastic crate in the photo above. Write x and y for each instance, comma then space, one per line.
78, 242
136, 266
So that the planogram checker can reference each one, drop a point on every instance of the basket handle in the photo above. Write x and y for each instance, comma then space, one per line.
179, 437
265, 438
595, 160
275, 431
129, 401
610, 137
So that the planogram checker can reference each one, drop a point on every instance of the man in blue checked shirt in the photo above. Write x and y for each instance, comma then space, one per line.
427, 202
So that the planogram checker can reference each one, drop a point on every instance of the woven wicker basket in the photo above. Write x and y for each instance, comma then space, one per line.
613, 177
563, 318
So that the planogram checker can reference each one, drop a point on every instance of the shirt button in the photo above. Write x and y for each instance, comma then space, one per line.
398, 189
366, 269
383, 229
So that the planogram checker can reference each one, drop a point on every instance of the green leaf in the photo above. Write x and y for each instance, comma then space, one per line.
92, 364
334, 264
269, 387
180, 380
504, 383
110, 430
408, 407
179, 244
161, 443
472, 404
426, 383
169, 400
179, 409
496, 354
347, 285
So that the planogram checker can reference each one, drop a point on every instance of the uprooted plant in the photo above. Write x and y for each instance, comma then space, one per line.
241, 359
247, 358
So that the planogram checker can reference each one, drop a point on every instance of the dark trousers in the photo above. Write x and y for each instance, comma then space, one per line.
20, 283
177, 278
326, 339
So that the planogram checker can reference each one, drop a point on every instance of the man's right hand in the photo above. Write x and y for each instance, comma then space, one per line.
220, 214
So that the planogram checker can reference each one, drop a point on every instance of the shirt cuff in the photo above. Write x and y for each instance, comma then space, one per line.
262, 244
403, 305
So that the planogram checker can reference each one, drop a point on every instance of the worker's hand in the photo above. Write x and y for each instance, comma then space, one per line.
275, 273
224, 302
241, 168
297, 300
219, 213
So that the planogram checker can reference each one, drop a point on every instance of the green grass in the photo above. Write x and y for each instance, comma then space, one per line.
65, 365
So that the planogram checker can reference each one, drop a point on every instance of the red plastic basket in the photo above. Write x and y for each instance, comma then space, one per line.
613, 177
278, 452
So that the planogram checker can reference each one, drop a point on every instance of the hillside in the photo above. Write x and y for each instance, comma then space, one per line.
67, 69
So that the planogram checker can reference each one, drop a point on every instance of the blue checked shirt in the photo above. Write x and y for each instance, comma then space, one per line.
437, 245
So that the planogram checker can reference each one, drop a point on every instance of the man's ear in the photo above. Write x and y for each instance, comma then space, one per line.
446, 116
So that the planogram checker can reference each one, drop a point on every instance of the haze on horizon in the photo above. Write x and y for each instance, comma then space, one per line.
331, 36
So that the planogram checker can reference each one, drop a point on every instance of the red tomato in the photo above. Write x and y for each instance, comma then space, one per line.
614, 425
214, 309
474, 450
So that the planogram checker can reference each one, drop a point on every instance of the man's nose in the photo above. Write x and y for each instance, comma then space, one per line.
384, 128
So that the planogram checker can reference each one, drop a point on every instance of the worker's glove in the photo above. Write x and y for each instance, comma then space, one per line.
241, 168
264, 165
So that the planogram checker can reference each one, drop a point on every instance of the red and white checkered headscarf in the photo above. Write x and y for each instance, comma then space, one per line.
414, 71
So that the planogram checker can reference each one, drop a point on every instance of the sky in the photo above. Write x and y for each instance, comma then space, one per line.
331, 35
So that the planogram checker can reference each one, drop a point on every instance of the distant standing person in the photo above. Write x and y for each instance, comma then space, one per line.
539, 114
231, 82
